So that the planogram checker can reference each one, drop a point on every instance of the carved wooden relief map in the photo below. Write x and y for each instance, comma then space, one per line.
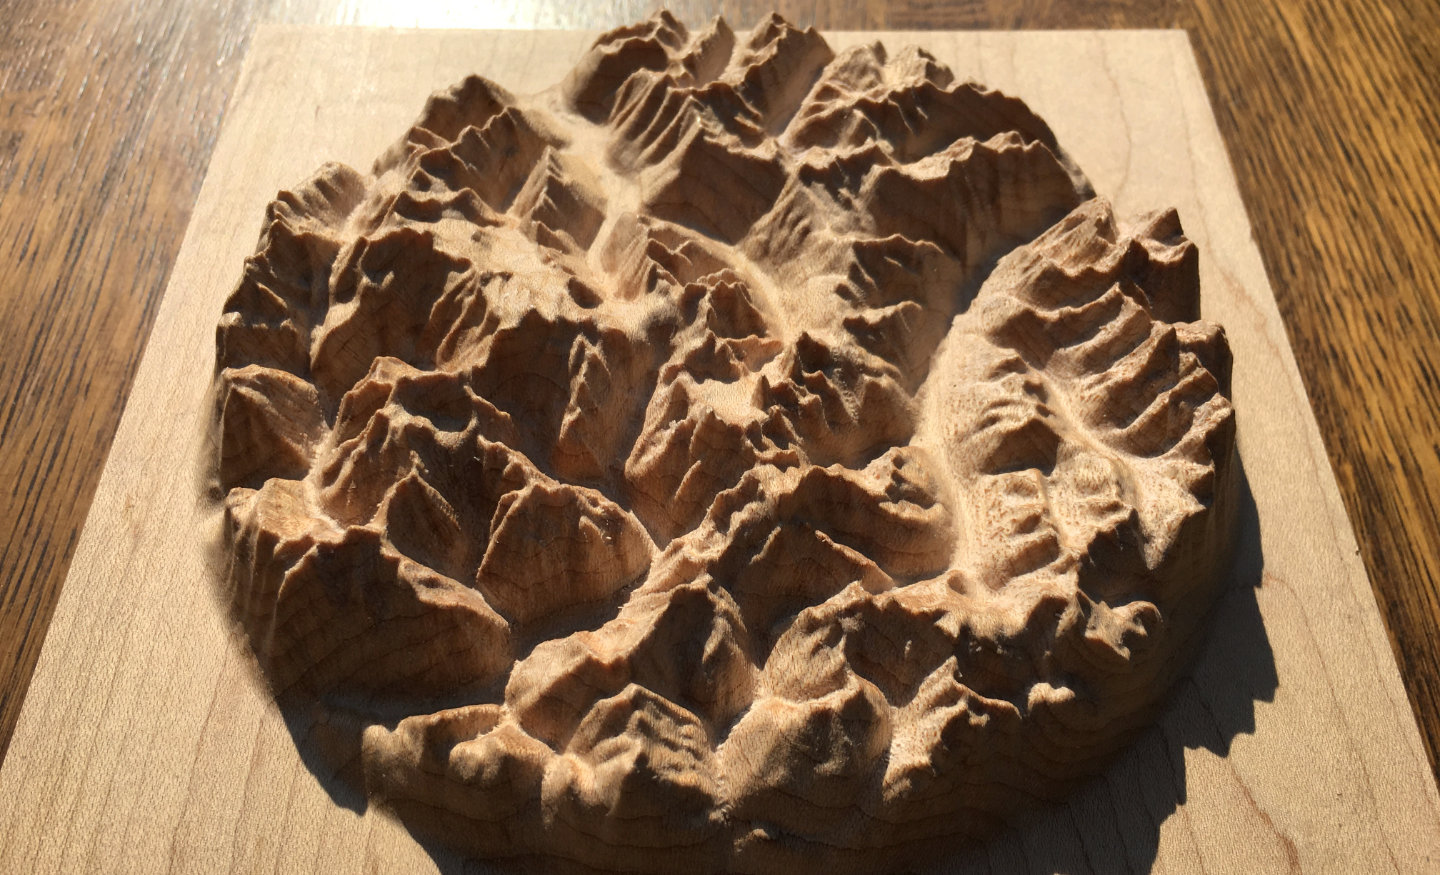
739, 457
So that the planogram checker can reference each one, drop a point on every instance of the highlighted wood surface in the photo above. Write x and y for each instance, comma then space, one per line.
147, 739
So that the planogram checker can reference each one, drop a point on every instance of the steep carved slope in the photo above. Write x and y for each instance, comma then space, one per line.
737, 458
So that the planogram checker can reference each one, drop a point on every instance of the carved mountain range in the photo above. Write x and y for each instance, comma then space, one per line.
736, 458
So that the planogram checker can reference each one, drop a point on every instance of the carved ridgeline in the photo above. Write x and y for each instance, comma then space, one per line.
775, 458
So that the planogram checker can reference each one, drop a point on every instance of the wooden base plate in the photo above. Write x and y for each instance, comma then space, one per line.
147, 743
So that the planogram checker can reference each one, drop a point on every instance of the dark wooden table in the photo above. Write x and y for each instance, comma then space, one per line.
109, 111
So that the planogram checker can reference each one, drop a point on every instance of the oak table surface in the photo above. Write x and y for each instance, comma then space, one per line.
109, 112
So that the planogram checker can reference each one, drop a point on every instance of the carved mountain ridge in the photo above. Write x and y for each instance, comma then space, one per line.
739, 457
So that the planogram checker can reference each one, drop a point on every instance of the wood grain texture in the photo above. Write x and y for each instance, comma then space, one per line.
109, 111
859, 525
146, 739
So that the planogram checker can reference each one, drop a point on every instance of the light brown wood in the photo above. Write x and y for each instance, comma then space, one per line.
146, 738
667, 453
1340, 195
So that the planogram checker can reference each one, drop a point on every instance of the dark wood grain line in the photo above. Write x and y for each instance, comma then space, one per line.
111, 166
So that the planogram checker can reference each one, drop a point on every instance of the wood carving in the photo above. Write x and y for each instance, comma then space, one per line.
736, 458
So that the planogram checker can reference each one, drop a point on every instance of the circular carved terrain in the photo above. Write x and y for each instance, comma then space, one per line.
737, 457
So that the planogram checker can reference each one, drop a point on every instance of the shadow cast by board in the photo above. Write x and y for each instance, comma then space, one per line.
1110, 824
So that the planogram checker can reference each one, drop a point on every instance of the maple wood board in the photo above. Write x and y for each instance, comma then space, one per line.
147, 743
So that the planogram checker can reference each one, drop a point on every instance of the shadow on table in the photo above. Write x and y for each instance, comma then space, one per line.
1110, 824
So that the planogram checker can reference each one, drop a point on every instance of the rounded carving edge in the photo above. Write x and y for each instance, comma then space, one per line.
740, 457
